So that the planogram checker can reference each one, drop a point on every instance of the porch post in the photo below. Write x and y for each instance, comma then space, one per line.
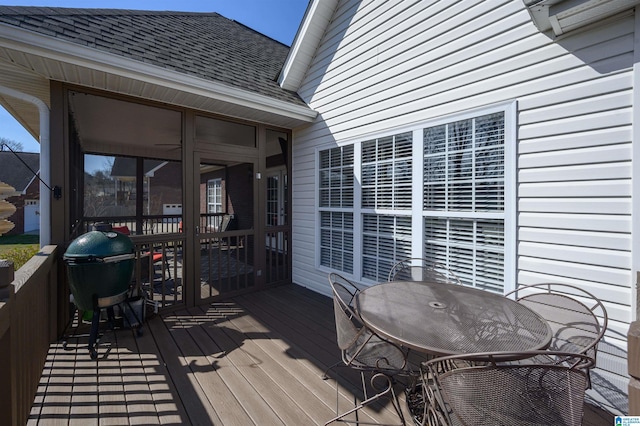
45, 155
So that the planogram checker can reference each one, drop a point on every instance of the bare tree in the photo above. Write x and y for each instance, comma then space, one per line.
14, 145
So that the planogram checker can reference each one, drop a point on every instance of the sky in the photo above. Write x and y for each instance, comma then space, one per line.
278, 19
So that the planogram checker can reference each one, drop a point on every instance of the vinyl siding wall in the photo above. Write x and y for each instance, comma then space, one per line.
387, 65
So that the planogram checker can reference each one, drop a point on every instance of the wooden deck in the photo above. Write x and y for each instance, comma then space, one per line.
255, 359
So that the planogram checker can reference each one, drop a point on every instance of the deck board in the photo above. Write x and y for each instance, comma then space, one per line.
308, 343
137, 390
254, 359
168, 405
191, 395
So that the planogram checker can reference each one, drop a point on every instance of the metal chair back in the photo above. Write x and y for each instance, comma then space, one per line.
364, 351
417, 269
503, 393
360, 347
577, 318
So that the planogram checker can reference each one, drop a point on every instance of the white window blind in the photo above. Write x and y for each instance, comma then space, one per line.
386, 172
336, 240
464, 198
336, 177
335, 199
385, 240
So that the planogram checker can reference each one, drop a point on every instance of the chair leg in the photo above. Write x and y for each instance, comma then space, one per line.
325, 374
387, 391
167, 267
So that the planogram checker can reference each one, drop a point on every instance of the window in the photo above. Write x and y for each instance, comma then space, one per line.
336, 196
386, 172
386, 203
386, 239
435, 190
214, 196
133, 192
464, 198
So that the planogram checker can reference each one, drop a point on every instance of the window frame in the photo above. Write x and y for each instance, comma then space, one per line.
216, 184
341, 209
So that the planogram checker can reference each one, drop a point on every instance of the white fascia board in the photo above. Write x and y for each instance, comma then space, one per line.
152, 172
312, 28
71, 53
24, 191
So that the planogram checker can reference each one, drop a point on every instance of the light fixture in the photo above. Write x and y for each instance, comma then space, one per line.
563, 16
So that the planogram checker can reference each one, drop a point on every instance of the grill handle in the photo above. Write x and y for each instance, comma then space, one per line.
116, 258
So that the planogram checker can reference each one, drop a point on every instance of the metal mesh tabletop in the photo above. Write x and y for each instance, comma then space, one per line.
449, 319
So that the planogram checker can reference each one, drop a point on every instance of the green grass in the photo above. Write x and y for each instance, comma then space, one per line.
19, 248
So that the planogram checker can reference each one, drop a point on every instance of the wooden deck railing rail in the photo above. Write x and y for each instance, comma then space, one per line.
27, 327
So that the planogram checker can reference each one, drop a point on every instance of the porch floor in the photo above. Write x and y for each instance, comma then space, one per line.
253, 359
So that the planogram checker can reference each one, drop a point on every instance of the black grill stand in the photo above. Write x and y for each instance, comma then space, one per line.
107, 303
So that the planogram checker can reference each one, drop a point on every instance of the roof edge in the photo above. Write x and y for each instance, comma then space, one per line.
49, 47
312, 28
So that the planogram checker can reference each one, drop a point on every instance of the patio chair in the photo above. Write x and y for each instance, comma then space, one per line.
417, 269
578, 320
493, 392
153, 256
227, 223
363, 351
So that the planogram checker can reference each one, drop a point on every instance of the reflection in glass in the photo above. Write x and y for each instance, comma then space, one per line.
112, 188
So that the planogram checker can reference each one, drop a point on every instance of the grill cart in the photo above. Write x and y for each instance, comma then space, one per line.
100, 267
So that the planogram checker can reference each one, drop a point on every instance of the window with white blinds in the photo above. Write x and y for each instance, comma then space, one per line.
336, 200
336, 177
435, 191
336, 240
464, 198
386, 239
386, 172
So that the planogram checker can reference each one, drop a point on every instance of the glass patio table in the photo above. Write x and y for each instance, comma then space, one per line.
446, 319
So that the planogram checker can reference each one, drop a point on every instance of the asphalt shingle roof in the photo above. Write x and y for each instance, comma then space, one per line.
205, 45
14, 172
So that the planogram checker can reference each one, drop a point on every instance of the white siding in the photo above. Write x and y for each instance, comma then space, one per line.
384, 65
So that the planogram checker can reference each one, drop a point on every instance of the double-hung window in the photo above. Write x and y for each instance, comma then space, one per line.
214, 196
464, 198
386, 203
336, 196
437, 191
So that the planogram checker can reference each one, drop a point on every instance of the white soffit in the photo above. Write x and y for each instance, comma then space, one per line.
314, 24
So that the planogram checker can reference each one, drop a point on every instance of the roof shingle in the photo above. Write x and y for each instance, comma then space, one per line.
204, 45
14, 172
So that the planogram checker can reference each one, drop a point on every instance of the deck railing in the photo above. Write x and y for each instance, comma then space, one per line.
28, 321
158, 272
152, 224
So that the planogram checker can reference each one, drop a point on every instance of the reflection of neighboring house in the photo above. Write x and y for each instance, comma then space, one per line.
27, 196
158, 183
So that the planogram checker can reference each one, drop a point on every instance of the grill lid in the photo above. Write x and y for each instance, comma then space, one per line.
99, 246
